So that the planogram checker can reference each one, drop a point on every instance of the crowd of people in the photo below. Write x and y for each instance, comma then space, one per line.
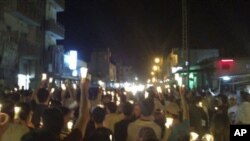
74, 114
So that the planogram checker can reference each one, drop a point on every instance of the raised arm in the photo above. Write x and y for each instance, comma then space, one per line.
83, 118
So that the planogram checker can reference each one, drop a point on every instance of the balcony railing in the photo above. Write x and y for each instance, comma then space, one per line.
29, 11
55, 28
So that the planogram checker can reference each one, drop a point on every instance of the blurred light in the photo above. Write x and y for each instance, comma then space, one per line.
100, 105
84, 72
52, 90
167, 86
74, 86
44, 76
146, 94
100, 83
136, 78
175, 69
157, 60
50, 80
207, 137
200, 104
159, 90
194, 136
227, 60
23, 81
74, 73
152, 73
155, 68
72, 59
131, 101
153, 79
216, 108
169, 122
226, 78
110, 137
63, 86
17, 111
70, 125
178, 78
148, 81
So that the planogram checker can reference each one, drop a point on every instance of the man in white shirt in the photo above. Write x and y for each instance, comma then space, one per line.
243, 113
146, 120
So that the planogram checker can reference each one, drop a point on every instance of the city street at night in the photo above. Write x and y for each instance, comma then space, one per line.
124, 70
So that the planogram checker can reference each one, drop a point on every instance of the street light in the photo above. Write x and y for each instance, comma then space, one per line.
157, 60
155, 68
152, 73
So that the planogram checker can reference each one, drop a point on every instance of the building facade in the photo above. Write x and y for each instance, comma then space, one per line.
101, 67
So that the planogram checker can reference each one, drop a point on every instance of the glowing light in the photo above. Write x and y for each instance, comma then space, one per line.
23, 81
70, 125
84, 72
216, 108
148, 81
157, 60
169, 122
100, 105
72, 59
0, 108
194, 136
17, 111
136, 78
200, 104
207, 137
44, 76
110, 137
146, 94
227, 60
100, 83
74, 86
52, 90
74, 73
155, 68
50, 80
152, 73
131, 101
175, 69
159, 90
63, 86
167, 86
226, 78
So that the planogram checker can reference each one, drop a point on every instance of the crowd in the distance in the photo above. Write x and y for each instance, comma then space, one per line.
74, 113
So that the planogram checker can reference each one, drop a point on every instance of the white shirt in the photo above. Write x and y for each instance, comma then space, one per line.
243, 113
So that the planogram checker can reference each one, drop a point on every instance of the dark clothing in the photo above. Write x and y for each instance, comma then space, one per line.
38, 110
121, 130
74, 135
101, 134
89, 130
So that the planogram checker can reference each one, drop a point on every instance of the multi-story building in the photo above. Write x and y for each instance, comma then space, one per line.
53, 32
28, 34
101, 67
21, 40
124, 73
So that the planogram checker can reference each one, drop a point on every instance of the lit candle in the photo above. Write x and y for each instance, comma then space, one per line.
52, 90
216, 108
200, 104
50, 80
63, 86
208, 137
131, 101
0, 108
169, 122
44, 76
159, 90
74, 86
146, 94
70, 125
110, 137
17, 111
194, 136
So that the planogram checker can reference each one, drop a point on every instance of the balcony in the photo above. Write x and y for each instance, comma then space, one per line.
59, 5
31, 12
55, 29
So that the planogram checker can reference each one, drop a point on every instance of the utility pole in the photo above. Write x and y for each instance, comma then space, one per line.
185, 48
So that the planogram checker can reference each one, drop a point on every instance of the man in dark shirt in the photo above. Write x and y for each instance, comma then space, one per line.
100, 133
122, 126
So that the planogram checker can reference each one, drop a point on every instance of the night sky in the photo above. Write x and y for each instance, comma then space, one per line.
138, 30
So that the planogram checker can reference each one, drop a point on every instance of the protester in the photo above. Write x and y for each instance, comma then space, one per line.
243, 114
146, 120
121, 127
100, 133
220, 125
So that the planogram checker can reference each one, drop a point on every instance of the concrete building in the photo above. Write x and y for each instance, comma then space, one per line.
53, 32
21, 40
28, 35
101, 66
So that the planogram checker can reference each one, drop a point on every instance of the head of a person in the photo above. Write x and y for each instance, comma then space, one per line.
8, 108
111, 107
220, 125
232, 101
244, 96
42, 95
98, 115
159, 118
127, 109
137, 110
26, 112
53, 120
39, 135
173, 110
67, 114
152, 92
147, 107
146, 134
